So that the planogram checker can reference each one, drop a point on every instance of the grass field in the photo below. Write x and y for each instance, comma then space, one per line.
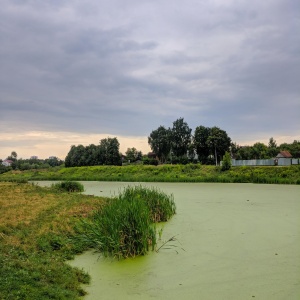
35, 229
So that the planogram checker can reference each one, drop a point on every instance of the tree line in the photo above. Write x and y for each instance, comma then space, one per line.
261, 151
29, 164
169, 145
208, 145
106, 153
176, 144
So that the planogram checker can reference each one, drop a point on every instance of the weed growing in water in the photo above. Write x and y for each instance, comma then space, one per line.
162, 206
68, 186
124, 228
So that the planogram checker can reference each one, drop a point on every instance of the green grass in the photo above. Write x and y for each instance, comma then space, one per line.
36, 225
161, 206
124, 228
68, 186
163, 173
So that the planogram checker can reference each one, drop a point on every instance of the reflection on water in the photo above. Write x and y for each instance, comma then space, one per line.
240, 241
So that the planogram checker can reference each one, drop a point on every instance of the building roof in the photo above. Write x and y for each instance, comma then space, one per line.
285, 154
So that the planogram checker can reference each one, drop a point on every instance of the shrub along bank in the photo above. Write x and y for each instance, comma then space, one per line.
164, 173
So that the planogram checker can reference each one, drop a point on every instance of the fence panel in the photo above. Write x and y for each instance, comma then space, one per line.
265, 162
284, 161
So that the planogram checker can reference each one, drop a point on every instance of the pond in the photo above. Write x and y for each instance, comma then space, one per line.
234, 241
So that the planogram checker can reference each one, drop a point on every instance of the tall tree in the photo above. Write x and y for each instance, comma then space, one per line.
243, 152
109, 151
76, 157
272, 148
160, 142
202, 148
219, 142
92, 155
180, 137
132, 154
259, 151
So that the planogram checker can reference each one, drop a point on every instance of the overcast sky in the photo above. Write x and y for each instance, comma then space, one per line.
73, 72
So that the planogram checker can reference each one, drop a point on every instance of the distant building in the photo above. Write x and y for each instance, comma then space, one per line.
33, 157
284, 154
7, 162
52, 157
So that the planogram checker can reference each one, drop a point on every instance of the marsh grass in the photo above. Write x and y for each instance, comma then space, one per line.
126, 226
162, 206
68, 186
35, 229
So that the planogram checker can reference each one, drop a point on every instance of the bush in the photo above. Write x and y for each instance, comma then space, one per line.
226, 163
68, 186
150, 161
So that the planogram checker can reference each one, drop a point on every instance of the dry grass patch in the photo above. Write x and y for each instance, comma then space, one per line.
21, 204
39, 210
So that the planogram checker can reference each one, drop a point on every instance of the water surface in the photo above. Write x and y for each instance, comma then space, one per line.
235, 241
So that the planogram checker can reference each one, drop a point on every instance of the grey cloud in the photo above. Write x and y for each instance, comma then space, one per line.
126, 68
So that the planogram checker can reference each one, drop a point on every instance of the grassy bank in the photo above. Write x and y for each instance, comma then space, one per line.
164, 173
35, 229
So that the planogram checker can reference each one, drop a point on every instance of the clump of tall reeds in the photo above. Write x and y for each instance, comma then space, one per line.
124, 227
162, 206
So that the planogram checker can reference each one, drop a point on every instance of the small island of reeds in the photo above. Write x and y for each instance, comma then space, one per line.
126, 226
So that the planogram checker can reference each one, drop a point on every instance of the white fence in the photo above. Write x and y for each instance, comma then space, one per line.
266, 162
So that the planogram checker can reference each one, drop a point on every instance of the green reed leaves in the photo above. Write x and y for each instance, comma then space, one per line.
68, 186
125, 227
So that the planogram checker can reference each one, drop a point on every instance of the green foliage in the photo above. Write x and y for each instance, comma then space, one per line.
132, 155
150, 161
162, 206
68, 186
35, 276
160, 142
29, 164
124, 228
210, 142
33, 253
293, 148
261, 151
219, 142
180, 137
200, 138
160, 173
107, 153
4, 169
226, 163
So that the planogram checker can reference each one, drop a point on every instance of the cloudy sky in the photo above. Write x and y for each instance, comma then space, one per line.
73, 72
